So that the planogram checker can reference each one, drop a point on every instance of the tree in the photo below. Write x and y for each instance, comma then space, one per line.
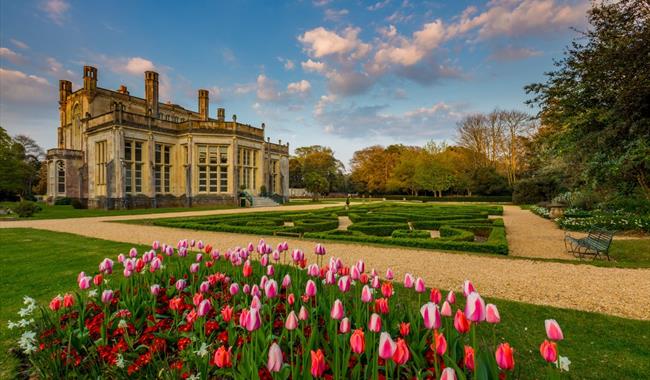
594, 106
295, 173
372, 167
316, 184
403, 174
316, 159
33, 155
14, 169
431, 175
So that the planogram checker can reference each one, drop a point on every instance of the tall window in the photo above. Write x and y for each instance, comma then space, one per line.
100, 162
60, 177
213, 168
248, 170
274, 176
133, 160
162, 169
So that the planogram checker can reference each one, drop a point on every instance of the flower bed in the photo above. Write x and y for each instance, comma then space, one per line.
263, 312
580, 220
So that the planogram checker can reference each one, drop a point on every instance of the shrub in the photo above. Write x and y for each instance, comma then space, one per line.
533, 190
377, 229
455, 234
411, 234
63, 201
79, 204
25, 209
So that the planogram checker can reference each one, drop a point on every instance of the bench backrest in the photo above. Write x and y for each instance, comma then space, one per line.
600, 238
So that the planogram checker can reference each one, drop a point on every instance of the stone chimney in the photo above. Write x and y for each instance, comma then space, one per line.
204, 104
65, 89
90, 78
221, 114
151, 92
123, 90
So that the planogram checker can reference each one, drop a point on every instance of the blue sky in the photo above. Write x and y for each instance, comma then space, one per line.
346, 74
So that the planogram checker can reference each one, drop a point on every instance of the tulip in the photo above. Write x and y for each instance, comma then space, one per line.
504, 356
468, 288
553, 330
310, 289
200, 244
355, 274
492, 314
197, 298
56, 303
120, 258
226, 313
389, 274
337, 310
255, 303
192, 243
291, 299
330, 277
84, 282
402, 354
344, 284
374, 324
408, 280
431, 315
419, 285
106, 266
439, 345
234, 288
170, 251
448, 374
222, 357
357, 341
68, 300
363, 278
204, 287
199, 257
317, 363
97, 280
381, 306
468, 360
366, 294
320, 250
303, 314
247, 270
246, 289
344, 326
155, 265
255, 291
461, 323
548, 350
250, 247
107, 296
133, 252
271, 289
387, 289
475, 308
375, 282
155, 245
275, 358
286, 281
253, 321
155, 289
204, 308
445, 311
404, 328
435, 296
180, 285
386, 346
292, 321
264, 260
313, 270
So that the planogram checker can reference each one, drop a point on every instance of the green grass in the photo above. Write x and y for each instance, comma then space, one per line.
42, 264
67, 211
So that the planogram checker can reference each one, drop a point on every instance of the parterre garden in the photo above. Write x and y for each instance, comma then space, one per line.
460, 227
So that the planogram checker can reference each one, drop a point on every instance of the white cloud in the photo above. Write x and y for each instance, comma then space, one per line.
137, 66
320, 42
378, 5
56, 10
267, 89
20, 87
321, 3
335, 15
512, 53
215, 94
313, 66
244, 88
299, 87
19, 44
11, 56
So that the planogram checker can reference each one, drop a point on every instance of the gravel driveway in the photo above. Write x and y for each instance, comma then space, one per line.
621, 292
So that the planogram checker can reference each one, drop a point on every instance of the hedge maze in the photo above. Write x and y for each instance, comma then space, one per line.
460, 227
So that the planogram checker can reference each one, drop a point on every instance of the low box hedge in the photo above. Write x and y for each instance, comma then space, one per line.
411, 234
374, 229
455, 234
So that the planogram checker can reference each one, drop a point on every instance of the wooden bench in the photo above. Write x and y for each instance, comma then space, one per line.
596, 243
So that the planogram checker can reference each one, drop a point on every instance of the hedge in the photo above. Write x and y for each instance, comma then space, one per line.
485, 198
455, 234
411, 234
385, 229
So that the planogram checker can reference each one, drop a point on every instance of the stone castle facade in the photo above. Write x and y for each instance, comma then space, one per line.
116, 150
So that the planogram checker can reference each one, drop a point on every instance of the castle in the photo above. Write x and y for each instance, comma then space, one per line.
116, 150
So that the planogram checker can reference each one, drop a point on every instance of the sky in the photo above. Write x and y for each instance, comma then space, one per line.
344, 74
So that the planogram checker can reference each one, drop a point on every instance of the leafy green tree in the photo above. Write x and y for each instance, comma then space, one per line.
320, 160
14, 168
316, 184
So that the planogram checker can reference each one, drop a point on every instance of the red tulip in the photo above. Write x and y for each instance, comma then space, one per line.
68, 300
548, 350
317, 363
357, 341
97, 280
247, 270
56, 303
222, 357
387, 289
402, 354
404, 328
553, 330
381, 306
226, 313
468, 360
461, 323
435, 296
439, 345
504, 356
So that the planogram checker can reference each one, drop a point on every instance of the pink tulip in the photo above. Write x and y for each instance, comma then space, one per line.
408, 280
255, 291
263, 281
120, 258
107, 296
200, 244
274, 363
127, 272
204, 308
330, 277
271, 289
310, 289
253, 321
250, 247
553, 330
361, 266
84, 282
256, 303
475, 308
234, 288
155, 245
170, 251
445, 311
264, 260
320, 250
451, 297
337, 310
133, 252
344, 327
354, 273
276, 256
303, 314
504, 356
313, 270
155, 289
155, 265
374, 324
80, 276
366, 294
106, 266
419, 285
194, 267
344, 284
292, 321
199, 257
246, 289
387, 346
180, 285
468, 288
492, 314
448, 374
204, 287
375, 282
286, 281
431, 315
192, 243
389, 274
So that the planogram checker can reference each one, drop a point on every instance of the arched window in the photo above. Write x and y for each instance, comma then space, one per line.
60, 177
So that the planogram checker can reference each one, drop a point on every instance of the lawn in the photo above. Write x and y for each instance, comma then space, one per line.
467, 228
67, 211
43, 263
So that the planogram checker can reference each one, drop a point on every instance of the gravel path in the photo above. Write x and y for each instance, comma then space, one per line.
621, 292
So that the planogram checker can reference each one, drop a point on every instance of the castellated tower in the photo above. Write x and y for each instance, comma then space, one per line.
151, 92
